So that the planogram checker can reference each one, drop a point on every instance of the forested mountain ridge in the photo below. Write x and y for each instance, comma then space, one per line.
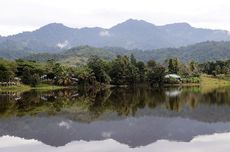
131, 34
201, 52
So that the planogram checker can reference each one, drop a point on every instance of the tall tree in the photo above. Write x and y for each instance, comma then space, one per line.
173, 66
155, 75
133, 60
99, 68
123, 72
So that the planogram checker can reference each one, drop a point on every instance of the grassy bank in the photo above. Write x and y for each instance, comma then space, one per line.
47, 87
209, 83
17, 88
183, 85
24, 88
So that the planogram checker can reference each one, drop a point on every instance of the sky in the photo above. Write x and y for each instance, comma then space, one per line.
27, 15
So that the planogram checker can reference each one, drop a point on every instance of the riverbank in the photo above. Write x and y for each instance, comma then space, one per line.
24, 88
16, 88
48, 87
209, 83
183, 85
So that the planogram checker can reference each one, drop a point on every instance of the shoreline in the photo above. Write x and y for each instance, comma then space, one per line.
24, 88
206, 83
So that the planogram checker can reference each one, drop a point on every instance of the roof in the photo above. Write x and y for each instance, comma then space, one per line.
172, 76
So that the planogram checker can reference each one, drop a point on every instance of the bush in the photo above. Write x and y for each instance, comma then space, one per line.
191, 80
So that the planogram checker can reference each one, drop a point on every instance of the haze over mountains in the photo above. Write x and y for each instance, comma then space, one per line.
131, 34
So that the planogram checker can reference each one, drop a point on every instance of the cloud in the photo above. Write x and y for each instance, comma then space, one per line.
63, 44
27, 14
104, 34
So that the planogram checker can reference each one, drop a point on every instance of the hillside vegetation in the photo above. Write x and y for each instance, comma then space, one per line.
201, 52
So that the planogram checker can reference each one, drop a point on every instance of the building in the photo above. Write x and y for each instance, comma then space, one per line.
173, 76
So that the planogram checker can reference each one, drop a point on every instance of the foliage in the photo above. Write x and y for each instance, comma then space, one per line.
122, 71
7, 70
201, 52
29, 71
85, 75
216, 68
173, 66
155, 75
98, 67
141, 70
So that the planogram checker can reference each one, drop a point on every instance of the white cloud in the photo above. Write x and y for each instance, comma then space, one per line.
104, 34
27, 14
63, 44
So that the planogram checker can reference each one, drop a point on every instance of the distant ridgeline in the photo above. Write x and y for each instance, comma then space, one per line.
201, 52
162, 42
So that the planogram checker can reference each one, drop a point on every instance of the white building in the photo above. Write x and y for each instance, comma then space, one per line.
174, 76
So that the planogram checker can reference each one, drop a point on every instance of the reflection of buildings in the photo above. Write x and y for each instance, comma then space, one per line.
8, 96
173, 93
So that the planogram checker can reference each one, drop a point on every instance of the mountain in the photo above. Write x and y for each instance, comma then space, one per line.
131, 34
51, 37
200, 52
12, 50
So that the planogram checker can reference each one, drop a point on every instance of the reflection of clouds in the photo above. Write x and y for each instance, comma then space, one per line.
65, 124
213, 143
11, 141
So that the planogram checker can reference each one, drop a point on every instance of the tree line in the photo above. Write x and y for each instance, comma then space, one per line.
122, 70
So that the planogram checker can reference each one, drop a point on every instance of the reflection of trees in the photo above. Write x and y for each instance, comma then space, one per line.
218, 97
128, 101
89, 105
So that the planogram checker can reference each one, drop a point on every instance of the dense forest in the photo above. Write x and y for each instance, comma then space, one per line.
121, 70
201, 52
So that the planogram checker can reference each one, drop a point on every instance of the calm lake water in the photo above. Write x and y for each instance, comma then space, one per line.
122, 119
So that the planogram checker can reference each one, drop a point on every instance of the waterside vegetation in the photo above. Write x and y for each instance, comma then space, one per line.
120, 71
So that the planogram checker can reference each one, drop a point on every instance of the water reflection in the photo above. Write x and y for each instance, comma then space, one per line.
134, 117
213, 143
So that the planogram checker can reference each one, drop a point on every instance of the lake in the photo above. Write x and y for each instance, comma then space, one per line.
119, 119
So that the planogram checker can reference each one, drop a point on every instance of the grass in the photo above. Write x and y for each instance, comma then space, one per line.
18, 88
209, 83
47, 87
24, 88
183, 85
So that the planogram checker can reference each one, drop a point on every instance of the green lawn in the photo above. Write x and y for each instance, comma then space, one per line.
209, 83
18, 88
47, 87
24, 88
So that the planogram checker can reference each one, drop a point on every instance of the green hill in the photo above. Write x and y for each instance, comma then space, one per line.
201, 52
